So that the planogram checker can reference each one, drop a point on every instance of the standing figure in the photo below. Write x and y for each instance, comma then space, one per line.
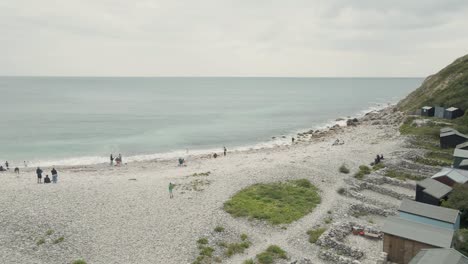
54, 175
6, 165
39, 175
171, 187
293, 140
17, 170
120, 159
225, 151
111, 160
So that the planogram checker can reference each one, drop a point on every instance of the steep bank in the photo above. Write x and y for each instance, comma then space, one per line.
448, 87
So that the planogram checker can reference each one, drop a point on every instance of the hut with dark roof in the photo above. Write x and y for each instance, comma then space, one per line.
460, 158
450, 138
438, 256
451, 176
430, 191
463, 146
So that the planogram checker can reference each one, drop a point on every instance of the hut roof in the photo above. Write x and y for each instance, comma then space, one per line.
427, 107
453, 132
462, 145
446, 129
461, 153
428, 234
439, 255
457, 175
429, 211
451, 109
434, 188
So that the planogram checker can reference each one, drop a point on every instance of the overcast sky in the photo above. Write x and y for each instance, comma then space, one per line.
231, 38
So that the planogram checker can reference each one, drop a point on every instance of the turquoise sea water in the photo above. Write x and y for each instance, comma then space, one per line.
81, 120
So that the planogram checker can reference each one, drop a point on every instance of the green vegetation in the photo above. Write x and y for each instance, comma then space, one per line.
40, 241
378, 166
219, 229
277, 203
201, 174
341, 190
344, 169
458, 199
358, 214
202, 241
363, 170
328, 220
272, 253
80, 261
401, 175
237, 248
249, 261
432, 162
49, 232
449, 87
243, 237
58, 240
206, 251
314, 234
461, 241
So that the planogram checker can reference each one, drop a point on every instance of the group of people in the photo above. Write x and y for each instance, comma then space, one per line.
7, 167
47, 179
215, 155
118, 160
378, 159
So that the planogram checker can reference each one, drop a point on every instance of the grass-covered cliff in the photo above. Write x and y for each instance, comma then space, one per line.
448, 87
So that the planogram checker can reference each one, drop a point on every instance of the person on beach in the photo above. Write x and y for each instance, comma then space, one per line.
181, 162
47, 179
225, 151
171, 187
215, 155
25, 164
2, 169
17, 170
39, 175
54, 175
6, 165
292, 140
111, 160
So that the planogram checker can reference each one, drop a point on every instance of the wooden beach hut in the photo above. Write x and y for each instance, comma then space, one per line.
460, 157
463, 146
451, 176
427, 111
438, 256
453, 112
439, 112
432, 192
450, 138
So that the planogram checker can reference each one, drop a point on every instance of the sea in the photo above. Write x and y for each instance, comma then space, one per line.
82, 120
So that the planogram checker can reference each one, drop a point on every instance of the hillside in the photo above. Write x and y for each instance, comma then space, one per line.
448, 87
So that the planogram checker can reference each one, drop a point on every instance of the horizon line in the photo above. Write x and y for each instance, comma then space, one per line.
197, 76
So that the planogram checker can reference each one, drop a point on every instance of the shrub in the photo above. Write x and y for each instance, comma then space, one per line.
206, 251
277, 203
49, 232
58, 240
328, 220
341, 190
249, 261
363, 170
236, 248
344, 169
243, 237
40, 241
202, 241
378, 166
80, 261
314, 234
402, 175
219, 229
272, 253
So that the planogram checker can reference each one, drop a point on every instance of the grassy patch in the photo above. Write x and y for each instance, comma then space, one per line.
363, 170
358, 214
328, 220
237, 248
40, 241
201, 174
79, 261
202, 241
248, 261
343, 169
219, 229
277, 203
403, 176
378, 166
272, 253
341, 190
432, 162
49, 232
243, 237
58, 240
314, 234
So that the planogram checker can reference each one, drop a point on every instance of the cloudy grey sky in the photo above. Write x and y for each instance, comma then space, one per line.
231, 38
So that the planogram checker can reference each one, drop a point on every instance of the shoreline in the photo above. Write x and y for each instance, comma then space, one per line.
274, 142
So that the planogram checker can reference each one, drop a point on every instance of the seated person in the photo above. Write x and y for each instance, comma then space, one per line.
47, 179
2, 169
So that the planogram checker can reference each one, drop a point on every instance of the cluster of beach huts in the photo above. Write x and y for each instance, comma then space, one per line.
423, 232
441, 112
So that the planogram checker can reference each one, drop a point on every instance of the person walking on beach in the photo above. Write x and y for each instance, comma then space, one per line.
293, 140
120, 159
171, 187
54, 175
225, 151
39, 175
111, 160
6, 165
17, 170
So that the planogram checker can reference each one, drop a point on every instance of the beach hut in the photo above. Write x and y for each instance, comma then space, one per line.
439, 112
450, 176
418, 226
462, 146
427, 111
450, 138
438, 256
452, 113
430, 191
460, 156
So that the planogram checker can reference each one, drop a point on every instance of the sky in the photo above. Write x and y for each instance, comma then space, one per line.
332, 38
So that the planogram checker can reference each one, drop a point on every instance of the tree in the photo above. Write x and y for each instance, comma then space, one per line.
458, 199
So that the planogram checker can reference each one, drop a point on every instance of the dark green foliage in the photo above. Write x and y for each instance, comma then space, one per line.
458, 199
80, 261
272, 253
378, 166
237, 248
58, 240
277, 203
341, 190
363, 170
461, 241
202, 241
219, 229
